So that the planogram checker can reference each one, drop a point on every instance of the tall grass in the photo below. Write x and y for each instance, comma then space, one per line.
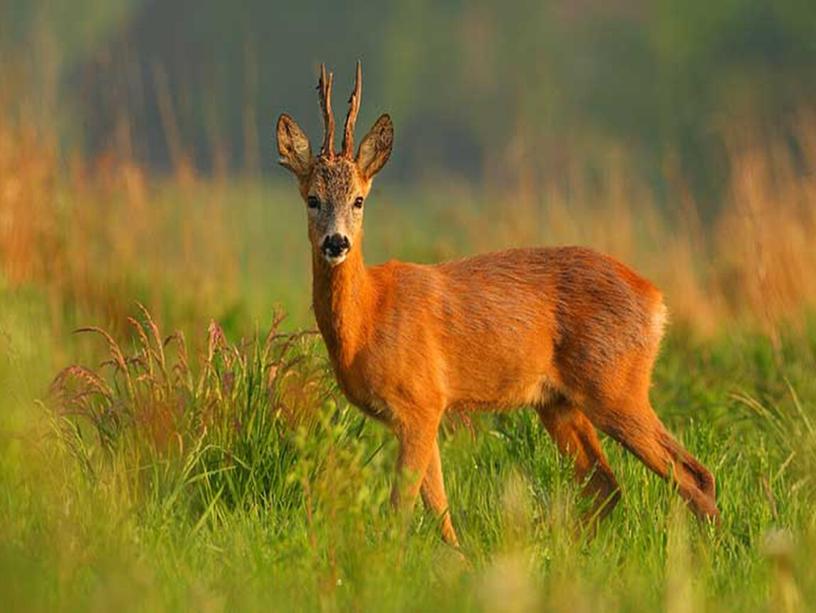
241, 478
221, 468
98, 232
204, 433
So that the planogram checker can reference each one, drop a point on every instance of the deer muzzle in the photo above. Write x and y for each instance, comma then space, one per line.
335, 248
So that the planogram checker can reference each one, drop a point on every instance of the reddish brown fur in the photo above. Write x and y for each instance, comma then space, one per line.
566, 330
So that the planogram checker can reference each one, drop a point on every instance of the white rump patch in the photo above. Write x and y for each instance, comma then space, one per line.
659, 320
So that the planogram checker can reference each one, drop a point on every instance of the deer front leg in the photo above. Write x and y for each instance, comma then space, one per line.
434, 497
417, 441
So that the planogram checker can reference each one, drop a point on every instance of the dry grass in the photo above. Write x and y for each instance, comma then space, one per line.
97, 233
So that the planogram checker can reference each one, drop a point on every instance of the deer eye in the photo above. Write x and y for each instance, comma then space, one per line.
358, 202
313, 202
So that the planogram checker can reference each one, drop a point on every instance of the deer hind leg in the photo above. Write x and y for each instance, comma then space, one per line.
576, 438
638, 429
434, 497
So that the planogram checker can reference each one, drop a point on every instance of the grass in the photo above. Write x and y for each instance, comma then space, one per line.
196, 454
240, 478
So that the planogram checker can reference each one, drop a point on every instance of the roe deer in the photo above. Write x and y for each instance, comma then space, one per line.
569, 331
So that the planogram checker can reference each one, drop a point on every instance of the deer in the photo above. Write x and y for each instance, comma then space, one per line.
566, 330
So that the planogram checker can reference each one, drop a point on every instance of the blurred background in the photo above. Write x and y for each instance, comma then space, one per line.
629, 125
477, 89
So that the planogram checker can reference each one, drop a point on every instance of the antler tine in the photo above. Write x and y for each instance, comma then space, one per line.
324, 87
351, 117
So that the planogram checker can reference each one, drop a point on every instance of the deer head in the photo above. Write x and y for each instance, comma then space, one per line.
334, 186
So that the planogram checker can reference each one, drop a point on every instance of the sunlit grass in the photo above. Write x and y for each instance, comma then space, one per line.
197, 454
252, 492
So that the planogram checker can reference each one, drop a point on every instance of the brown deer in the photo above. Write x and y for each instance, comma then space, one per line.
568, 331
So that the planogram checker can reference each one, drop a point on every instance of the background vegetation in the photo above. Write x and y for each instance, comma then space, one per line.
194, 452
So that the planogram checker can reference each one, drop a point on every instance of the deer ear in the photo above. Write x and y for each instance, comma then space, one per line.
375, 148
293, 146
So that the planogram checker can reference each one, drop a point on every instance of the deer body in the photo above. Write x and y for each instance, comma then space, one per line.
496, 331
568, 331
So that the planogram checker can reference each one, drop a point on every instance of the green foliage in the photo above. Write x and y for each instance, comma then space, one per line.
239, 477
200, 437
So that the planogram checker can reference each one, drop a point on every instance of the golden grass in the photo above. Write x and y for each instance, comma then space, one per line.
100, 234
88, 230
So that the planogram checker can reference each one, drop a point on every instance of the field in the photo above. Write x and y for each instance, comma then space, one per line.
194, 452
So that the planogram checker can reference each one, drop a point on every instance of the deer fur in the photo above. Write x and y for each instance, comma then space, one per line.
566, 330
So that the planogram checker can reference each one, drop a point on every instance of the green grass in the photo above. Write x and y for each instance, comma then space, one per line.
227, 472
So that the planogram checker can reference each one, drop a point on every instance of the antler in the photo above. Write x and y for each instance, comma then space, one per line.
351, 117
324, 87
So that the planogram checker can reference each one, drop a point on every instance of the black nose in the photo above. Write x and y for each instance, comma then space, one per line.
335, 245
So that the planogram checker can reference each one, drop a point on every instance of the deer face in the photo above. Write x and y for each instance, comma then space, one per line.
334, 186
334, 201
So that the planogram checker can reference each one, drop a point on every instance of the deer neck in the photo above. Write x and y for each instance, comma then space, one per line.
341, 296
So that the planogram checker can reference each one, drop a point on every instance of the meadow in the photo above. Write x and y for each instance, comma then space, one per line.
190, 450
